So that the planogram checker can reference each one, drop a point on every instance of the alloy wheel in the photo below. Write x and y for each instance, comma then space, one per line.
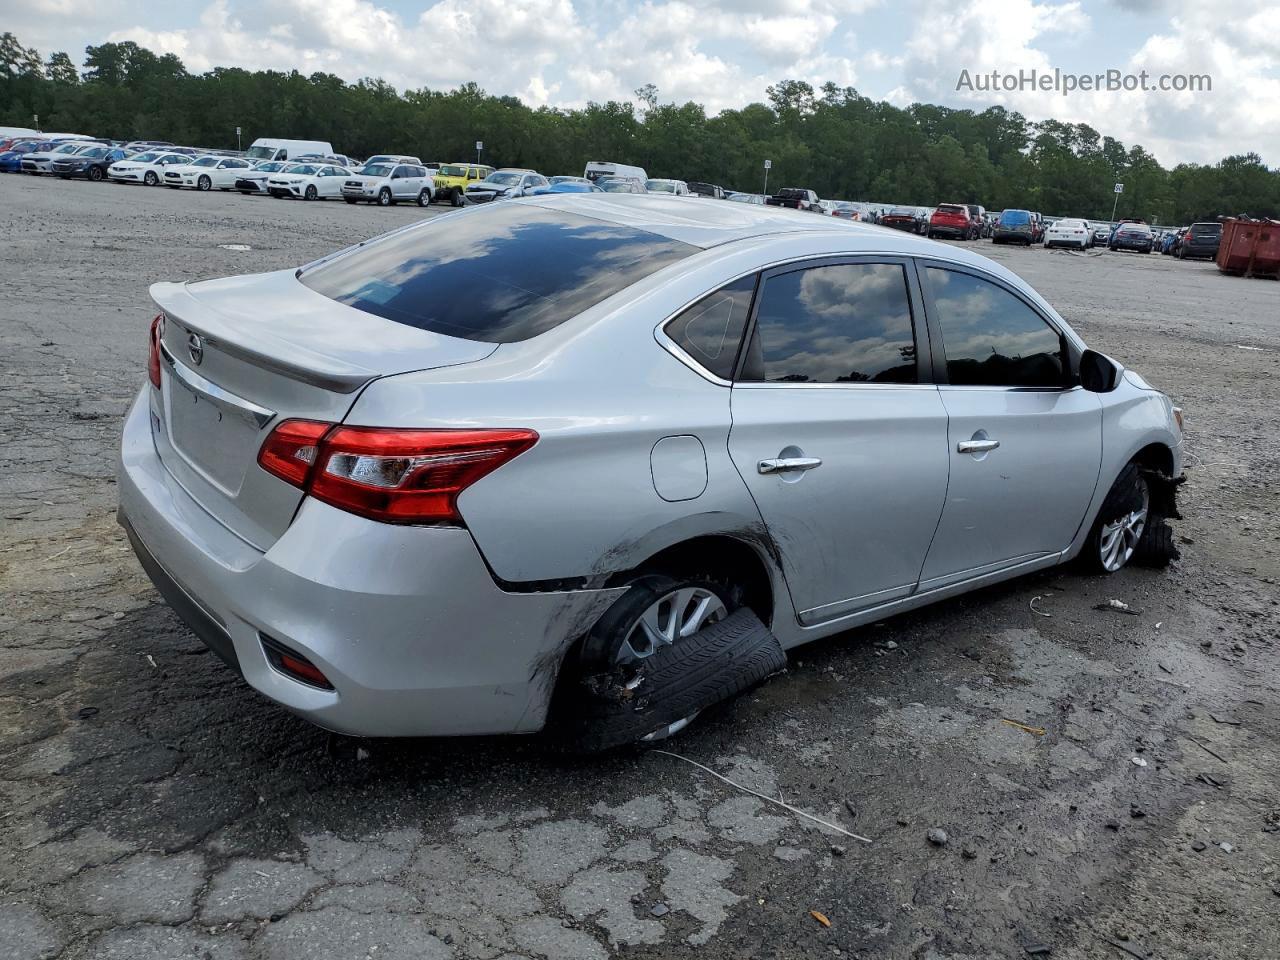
1119, 538
677, 614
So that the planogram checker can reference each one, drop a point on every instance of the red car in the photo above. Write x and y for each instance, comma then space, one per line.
952, 220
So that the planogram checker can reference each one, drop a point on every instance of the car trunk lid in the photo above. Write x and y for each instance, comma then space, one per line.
241, 354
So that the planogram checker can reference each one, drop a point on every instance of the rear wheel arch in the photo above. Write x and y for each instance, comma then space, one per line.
723, 558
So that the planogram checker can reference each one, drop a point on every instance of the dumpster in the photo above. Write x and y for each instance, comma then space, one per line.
1250, 248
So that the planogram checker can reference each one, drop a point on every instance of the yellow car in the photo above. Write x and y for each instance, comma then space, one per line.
454, 178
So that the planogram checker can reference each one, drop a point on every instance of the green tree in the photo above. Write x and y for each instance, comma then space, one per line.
60, 69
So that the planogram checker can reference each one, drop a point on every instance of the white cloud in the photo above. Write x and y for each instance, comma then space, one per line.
724, 53
1240, 113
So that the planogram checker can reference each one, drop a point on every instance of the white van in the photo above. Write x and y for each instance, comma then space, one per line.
269, 148
608, 170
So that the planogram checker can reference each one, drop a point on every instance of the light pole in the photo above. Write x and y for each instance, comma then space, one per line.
768, 164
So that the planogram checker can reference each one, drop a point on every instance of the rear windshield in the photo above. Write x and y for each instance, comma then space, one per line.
449, 170
503, 273
1205, 229
950, 208
793, 193
1013, 217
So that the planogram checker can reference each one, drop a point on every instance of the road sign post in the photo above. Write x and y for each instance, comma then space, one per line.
768, 165
479, 149
1119, 189
237, 138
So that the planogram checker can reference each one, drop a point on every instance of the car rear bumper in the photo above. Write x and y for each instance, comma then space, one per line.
407, 623
948, 230
1209, 250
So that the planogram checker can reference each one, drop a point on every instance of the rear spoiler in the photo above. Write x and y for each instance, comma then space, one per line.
257, 344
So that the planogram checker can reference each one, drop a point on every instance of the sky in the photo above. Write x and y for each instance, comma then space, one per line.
725, 53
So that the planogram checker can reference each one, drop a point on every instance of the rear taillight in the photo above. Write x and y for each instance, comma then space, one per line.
392, 475
291, 449
153, 350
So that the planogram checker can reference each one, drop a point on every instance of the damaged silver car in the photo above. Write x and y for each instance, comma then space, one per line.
593, 463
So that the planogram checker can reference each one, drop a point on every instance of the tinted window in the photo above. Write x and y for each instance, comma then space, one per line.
845, 323
990, 337
499, 274
1014, 217
711, 329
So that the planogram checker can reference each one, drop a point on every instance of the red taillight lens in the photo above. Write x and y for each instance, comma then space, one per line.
392, 475
153, 350
291, 449
409, 476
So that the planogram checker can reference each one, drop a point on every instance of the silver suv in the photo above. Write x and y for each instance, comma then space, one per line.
388, 183
593, 462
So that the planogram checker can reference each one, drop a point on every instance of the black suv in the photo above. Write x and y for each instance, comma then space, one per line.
1201, 240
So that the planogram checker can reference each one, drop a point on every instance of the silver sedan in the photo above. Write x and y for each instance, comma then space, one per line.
591, 463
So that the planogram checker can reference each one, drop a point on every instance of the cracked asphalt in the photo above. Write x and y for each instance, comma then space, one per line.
152, 806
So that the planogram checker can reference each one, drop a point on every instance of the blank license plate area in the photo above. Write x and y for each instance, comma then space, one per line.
216, 442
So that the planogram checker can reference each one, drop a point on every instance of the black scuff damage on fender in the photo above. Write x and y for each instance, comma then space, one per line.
572, 623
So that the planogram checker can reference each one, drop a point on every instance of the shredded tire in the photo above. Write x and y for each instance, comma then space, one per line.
603, 711
1156, 547
1124, 497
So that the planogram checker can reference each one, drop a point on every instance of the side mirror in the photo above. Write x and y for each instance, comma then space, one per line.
1098, 373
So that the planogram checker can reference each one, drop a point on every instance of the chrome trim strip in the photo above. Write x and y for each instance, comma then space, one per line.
831, 611
202, 386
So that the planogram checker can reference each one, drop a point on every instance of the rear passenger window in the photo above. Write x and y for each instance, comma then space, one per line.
843, 323
711, 330
990, 337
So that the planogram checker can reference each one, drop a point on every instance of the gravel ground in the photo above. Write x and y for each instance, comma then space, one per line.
151, 806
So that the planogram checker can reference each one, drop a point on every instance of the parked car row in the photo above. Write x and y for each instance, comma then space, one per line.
311, 170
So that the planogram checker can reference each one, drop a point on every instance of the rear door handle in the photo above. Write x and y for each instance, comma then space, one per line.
976, 446
788, 465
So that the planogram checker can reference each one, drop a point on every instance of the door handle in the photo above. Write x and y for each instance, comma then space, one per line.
788, 465
976, 446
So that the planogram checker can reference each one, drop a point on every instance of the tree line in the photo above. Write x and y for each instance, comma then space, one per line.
831, 139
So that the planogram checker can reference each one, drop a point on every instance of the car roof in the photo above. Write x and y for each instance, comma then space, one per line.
709, 225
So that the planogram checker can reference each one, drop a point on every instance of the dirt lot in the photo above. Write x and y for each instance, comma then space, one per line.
151, 806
